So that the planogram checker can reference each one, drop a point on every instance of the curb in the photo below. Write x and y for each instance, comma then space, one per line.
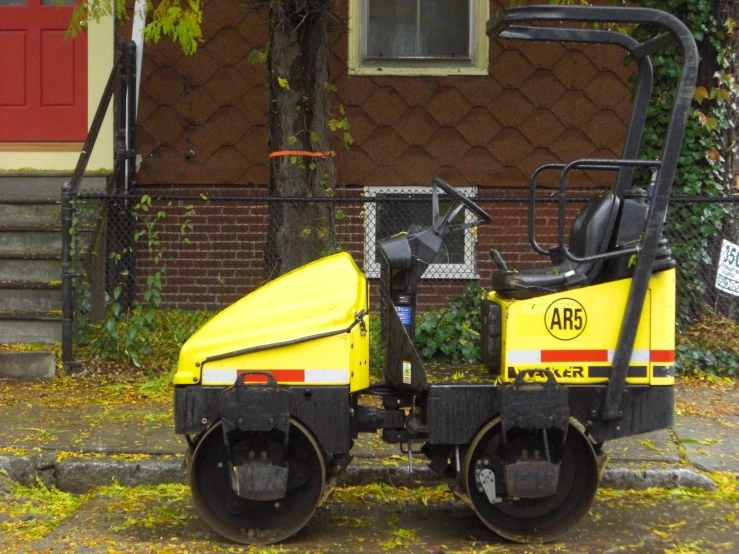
78, 475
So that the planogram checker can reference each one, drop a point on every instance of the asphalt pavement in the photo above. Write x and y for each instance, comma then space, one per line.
367, 520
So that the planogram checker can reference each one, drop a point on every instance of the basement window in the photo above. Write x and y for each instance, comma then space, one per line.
418, 37
409, 210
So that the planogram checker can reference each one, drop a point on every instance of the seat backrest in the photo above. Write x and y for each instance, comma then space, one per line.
591, 231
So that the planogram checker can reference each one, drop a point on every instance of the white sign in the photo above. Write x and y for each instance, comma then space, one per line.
727, 274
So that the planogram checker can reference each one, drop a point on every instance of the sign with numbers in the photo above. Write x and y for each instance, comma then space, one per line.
727, 274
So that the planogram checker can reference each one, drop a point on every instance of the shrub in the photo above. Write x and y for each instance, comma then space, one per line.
150, 338
377, 350
452, 333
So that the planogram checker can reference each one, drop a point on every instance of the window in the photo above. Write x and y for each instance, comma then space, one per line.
418, 37
409, 210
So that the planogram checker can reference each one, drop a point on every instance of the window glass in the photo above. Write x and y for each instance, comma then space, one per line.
417, 29
445, 29
12, 2
58, 2
391, 29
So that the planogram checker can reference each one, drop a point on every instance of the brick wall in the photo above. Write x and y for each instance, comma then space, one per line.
220, 256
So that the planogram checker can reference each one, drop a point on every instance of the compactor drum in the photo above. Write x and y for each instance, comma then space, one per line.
269, 393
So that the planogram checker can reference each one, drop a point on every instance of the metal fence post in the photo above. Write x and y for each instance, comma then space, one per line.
67, 275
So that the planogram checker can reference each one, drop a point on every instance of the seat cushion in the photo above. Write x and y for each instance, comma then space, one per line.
528, 282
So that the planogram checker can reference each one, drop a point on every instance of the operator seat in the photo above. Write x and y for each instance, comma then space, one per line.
590, 234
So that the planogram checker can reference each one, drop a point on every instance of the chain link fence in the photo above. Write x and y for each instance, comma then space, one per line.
154, 265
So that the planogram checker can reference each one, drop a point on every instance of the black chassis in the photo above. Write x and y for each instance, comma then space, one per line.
446, 415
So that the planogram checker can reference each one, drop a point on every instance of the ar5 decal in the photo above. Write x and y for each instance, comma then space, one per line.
565, 319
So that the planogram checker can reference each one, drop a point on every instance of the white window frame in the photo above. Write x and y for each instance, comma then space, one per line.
476, 64
465, 270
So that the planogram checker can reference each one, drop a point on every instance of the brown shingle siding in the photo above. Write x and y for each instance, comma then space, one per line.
203, 118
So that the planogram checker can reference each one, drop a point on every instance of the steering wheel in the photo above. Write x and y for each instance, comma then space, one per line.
483, 216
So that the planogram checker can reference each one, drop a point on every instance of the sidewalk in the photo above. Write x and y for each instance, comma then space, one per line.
76, 447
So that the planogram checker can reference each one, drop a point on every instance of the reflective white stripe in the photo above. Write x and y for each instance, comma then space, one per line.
219, 376
637, 356
326, 375
523, 356
228, 376
534, 356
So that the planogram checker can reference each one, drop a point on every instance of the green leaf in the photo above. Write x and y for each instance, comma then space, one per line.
256, 56
700, 94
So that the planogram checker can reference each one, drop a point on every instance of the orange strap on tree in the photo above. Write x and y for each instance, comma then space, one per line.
329, 154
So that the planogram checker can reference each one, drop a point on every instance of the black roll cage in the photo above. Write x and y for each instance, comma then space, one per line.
507, 24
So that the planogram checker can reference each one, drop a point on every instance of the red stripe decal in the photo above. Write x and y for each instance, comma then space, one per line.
281, 375
662, 356
574, 356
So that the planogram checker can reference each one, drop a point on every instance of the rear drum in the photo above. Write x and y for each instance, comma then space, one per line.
535, 520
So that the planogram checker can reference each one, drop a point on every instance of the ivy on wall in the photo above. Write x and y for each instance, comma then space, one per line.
707, 163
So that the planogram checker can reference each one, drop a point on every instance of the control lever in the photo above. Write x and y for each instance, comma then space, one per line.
498, 260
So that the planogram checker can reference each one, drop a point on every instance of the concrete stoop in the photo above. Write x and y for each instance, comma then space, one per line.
39, 364
30, 267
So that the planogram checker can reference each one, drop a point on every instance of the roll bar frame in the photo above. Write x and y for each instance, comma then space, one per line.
507, 24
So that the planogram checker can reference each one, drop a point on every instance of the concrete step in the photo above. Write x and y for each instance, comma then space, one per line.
31, 300
43, 186
29, 330
28, 215
43, 216
30, 270
27, 365
82, 227
31, 315
39, 242
21, 244
11, 255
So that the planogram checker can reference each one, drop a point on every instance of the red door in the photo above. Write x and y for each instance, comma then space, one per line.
43, 78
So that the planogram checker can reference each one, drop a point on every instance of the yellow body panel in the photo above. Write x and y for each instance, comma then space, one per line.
574, 333
321, 297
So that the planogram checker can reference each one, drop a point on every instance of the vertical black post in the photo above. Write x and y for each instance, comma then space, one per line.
121, 220
120, 118
67, 301
130, 56
128, 175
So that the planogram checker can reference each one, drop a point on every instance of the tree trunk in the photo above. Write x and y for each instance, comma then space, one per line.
300, 109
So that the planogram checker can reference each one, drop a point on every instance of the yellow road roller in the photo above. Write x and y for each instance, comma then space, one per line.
271, 392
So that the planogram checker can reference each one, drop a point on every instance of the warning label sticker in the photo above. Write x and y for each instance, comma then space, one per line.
727, 274
406, 372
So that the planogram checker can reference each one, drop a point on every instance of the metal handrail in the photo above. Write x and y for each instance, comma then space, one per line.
121, 84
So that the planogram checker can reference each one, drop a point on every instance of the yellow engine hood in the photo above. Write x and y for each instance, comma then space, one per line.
320, 297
